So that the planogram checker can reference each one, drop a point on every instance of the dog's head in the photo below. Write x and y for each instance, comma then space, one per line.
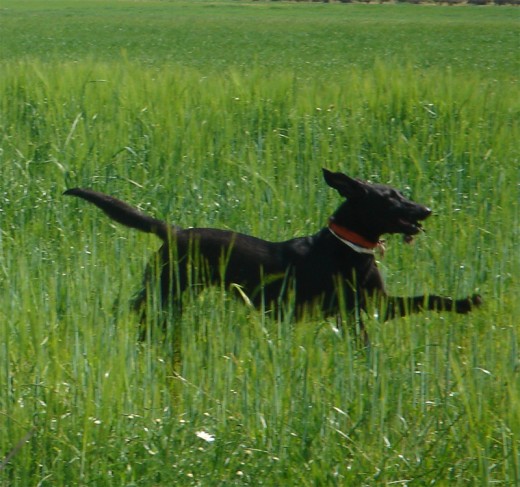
375, 209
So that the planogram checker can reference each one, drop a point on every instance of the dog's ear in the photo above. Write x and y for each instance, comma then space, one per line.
344, 185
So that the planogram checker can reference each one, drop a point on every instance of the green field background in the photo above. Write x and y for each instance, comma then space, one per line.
223, 114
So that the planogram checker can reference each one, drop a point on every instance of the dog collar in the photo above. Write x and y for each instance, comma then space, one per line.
353, 240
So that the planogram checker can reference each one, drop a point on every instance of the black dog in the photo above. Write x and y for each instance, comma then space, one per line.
333, 270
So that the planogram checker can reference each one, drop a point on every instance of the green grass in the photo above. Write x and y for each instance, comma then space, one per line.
222, 114
316, 40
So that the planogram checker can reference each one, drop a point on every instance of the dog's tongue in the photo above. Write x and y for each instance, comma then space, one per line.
407, 239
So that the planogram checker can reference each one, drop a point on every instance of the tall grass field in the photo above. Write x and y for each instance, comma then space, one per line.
222, 114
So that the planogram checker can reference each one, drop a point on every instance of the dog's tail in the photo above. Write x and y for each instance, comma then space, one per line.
123, 213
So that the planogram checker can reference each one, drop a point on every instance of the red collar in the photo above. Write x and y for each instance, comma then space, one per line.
352, 237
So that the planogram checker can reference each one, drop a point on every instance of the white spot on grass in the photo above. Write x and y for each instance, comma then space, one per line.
205, 436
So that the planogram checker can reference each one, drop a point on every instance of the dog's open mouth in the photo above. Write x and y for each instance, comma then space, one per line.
409, 228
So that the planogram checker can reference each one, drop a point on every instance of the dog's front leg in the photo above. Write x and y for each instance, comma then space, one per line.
362, 334
355, 322
397, 306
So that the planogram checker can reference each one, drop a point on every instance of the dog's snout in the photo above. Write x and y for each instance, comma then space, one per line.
420, 212
426, 212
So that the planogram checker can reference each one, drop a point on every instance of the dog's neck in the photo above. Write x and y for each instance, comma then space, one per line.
354, 240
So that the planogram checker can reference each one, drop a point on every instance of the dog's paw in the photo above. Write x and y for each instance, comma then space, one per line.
466, 305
